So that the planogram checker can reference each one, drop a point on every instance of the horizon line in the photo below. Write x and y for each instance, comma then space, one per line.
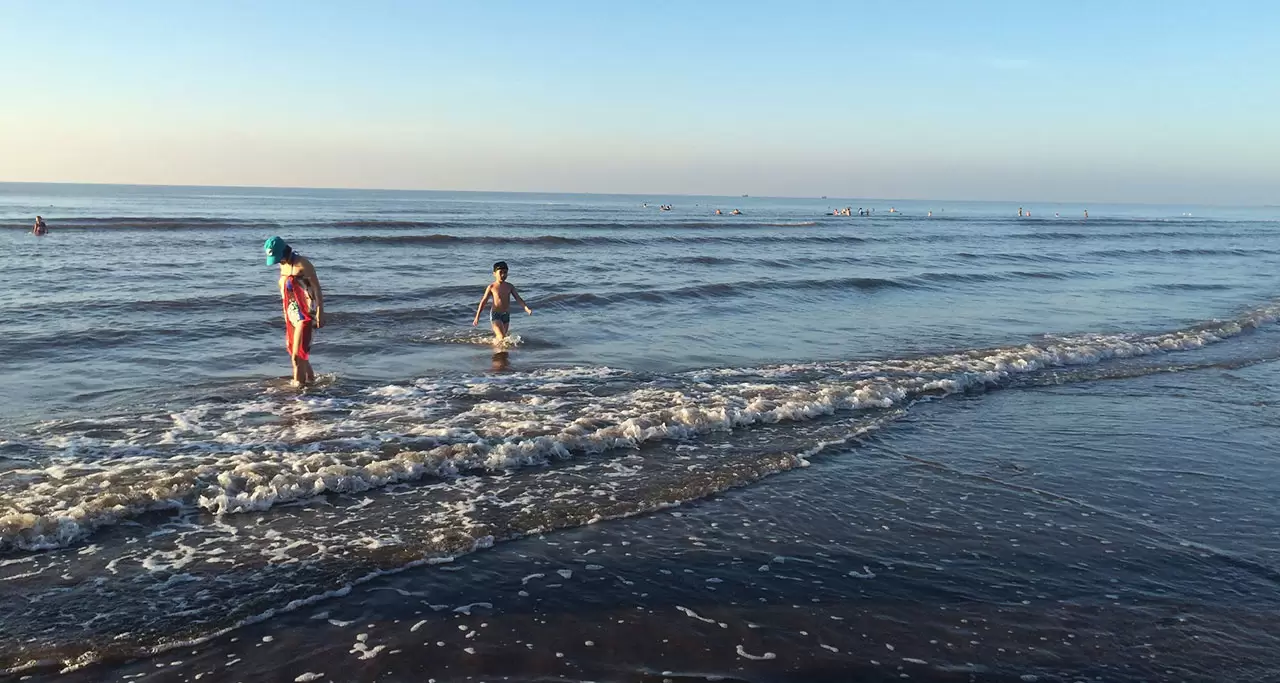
623, 194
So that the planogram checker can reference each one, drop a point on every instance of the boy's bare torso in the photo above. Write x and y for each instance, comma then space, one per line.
501, 293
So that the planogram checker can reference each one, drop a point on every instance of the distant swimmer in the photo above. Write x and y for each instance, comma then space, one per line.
40, 228
930, 214
1086, 213
735, 212
303, 303
500, 292
719, 212
1056, 215
1019, 212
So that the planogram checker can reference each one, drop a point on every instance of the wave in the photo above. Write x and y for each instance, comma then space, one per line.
807, 237
1191, 287
797, 262
1204, 251
443, 239
229, 458
1138, 235
387, 224
1014, 257
158, 223
718, 290
584, 240
585, 218
211, 316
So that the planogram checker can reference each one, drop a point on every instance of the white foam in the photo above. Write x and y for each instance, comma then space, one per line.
747, 655
231, 459
694, 615
466, 609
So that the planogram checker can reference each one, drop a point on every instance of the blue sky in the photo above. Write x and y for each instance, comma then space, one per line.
1088, 101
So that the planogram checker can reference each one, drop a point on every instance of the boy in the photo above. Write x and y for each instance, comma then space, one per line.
501, 292
302, 302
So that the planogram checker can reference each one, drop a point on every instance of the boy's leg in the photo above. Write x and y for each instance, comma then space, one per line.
499, 331
302, 373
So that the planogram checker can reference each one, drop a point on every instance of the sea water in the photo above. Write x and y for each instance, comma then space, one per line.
1005, 446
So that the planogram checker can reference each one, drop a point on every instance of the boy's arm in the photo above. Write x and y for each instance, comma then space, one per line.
484, 298
516, 294
310, 271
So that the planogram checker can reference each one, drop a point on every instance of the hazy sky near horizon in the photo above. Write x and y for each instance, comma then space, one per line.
1171, 101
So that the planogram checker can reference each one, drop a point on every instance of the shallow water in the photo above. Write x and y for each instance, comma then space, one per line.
1012, 448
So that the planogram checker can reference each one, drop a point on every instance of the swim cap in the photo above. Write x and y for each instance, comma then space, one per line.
277, 250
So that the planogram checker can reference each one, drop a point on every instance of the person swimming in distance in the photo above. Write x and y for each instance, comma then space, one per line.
735, 212
719, 212
500, 292
39, 228
302, 301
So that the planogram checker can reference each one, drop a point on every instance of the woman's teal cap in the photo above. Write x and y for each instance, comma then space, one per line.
276, 250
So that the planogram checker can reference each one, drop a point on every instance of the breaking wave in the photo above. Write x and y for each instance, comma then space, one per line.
249, 456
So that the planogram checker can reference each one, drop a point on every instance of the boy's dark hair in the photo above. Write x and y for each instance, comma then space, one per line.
500, 265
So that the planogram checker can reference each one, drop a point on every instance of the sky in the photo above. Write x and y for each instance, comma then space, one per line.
1168, 101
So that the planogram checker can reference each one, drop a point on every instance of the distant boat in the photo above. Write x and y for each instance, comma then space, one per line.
744, 195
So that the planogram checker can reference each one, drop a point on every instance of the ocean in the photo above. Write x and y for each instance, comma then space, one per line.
940, 442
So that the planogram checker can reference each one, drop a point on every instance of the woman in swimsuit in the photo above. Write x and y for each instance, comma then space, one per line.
302, 302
